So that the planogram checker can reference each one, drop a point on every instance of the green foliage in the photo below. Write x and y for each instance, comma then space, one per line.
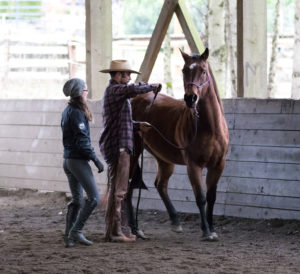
12, 7
198, 10
169, 84
140, 16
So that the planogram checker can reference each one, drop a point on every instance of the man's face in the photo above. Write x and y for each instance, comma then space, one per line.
125, 77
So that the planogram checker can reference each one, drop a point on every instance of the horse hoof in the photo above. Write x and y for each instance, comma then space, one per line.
140, 234
215, 236
177, 228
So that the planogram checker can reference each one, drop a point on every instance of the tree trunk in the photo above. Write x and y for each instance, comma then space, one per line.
271, 91
296, 66
167, 50
216, 42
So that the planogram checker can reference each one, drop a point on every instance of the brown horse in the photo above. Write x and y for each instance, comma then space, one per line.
195, 134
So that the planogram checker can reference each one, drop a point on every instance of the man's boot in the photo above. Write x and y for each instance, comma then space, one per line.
72, 213
113, 219
75, 235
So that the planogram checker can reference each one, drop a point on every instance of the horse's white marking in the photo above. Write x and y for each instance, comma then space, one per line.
193, 65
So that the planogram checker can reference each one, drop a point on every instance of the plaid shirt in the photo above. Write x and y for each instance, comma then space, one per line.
117, 118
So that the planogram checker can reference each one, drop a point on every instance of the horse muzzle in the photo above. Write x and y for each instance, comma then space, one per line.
190, 100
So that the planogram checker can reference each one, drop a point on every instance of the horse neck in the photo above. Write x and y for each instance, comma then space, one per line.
210, 108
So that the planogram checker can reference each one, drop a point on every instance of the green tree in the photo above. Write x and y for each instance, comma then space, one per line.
140, 16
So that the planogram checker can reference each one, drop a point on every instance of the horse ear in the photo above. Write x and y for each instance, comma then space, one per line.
205, 54
184, 55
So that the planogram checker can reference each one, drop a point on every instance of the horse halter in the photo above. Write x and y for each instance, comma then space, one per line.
191, 99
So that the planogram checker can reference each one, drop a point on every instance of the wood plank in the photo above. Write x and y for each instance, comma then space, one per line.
266, 122
265, 137
36, 145
284, 155
189, 28
246, 170
31, 145
261, 106
260, 213
34, 184
42, 173
156, 40
288, 172
37, 118
32, 105
41, 105
40, 132
272, 187
263, 201
35, 159
41, 185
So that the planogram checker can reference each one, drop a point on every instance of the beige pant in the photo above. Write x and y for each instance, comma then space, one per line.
116, 222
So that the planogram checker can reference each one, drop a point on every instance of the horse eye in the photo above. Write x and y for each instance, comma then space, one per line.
204, 72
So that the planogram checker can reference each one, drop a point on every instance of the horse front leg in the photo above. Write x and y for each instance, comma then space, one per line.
165, 171
212, 177
195, 176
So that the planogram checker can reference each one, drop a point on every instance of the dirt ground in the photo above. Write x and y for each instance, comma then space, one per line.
31, 241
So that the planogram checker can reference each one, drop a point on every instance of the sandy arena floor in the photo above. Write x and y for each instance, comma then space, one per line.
31, 241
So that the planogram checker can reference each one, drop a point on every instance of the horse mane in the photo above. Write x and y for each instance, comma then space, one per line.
216, 88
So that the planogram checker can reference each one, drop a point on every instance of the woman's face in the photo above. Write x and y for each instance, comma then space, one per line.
85, 93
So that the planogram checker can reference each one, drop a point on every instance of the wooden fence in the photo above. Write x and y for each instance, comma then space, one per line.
261, 178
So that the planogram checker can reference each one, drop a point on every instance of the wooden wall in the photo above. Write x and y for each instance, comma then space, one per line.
31, 144
261, 178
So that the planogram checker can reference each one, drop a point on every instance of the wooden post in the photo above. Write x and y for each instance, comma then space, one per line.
240, 48
255, 48
98, 45
189, 28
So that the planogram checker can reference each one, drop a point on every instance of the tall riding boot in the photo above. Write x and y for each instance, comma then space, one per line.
75, 234
71, 217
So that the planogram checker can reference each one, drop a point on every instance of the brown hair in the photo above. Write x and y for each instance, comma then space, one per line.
78, 102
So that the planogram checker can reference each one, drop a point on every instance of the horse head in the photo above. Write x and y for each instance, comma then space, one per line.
195, 76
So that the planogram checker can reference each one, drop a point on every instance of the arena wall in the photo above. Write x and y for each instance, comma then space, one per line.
261, 178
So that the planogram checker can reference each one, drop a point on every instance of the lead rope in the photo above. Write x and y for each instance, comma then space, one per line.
140, 188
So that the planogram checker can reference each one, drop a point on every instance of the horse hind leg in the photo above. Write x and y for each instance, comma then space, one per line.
164, 173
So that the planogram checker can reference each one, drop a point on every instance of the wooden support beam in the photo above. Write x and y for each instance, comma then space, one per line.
156, 40
189, 28
252, 48
98, 45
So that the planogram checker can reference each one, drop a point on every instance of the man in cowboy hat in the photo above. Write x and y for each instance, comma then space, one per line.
116, 142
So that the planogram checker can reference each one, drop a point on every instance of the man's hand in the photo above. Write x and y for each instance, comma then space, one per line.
157, 88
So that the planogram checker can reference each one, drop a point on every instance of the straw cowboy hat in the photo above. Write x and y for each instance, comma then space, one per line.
119, 65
